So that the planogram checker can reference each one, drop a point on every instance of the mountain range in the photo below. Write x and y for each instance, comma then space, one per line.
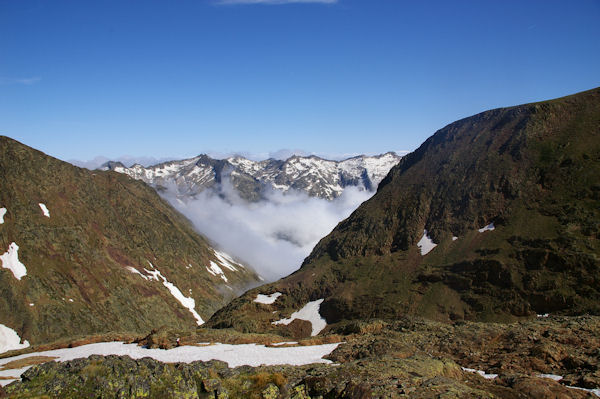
313, 175
473, 272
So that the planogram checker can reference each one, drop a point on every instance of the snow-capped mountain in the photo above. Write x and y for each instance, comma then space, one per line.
316, 176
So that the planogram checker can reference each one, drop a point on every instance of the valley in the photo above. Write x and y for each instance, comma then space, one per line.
471, 272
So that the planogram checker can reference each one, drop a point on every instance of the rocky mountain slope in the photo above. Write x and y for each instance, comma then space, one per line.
554, 357
316, 176
494, 217
91, 252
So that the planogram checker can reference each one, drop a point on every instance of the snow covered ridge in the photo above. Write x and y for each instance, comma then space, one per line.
10, 340
10, 261
310, 313
234, 355
316, 176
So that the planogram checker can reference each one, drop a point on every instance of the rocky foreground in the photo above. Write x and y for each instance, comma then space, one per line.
409, 357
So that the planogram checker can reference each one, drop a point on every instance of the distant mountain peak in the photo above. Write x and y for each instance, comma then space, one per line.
311, 174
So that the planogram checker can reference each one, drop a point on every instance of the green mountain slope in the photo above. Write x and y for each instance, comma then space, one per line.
531, 170
110, 258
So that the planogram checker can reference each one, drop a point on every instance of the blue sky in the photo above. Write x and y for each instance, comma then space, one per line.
177, 78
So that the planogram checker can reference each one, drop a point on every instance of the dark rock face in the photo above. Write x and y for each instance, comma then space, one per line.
530, 171
84, 261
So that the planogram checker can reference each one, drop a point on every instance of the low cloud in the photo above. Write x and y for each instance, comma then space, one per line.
272, 236
273, 2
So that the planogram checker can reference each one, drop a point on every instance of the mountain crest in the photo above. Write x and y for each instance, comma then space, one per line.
313, 175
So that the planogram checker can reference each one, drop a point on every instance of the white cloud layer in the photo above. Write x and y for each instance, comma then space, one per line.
272, 236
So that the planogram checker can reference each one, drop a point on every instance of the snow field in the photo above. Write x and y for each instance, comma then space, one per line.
10, 340
234, 355
310, 313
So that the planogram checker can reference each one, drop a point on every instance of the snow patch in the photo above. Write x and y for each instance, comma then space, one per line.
545, 315
10, 260
310, 312
136, 271
426, 244
454, 238
267, 299
45, 210
31, 304
2, 213
226, 260
215, 270
187, 302
10, 340
234, 355
489, 227
551, 376
481, 373
285, 343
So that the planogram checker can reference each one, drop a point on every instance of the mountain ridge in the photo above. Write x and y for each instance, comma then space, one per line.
312, 174
101, 253
510, 199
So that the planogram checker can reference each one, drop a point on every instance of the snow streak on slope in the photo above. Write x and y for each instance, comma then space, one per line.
186, 302
45, 210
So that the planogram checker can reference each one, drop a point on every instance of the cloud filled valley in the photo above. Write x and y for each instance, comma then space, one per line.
273, 235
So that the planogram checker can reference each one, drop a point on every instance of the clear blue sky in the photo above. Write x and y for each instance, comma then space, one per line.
177, 78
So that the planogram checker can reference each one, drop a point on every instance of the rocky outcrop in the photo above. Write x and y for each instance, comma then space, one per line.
411, 358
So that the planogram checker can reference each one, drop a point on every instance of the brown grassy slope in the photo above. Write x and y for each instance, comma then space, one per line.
100, 223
